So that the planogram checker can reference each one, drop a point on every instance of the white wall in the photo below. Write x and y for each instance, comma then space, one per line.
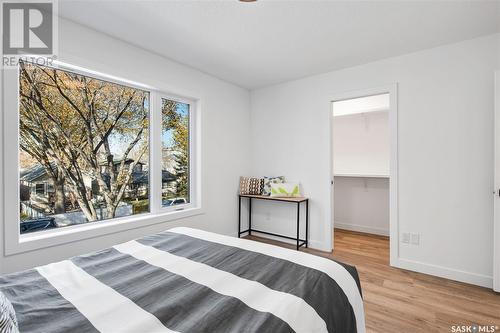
361, 144
496, 257
225, 118
362, 204
445, 105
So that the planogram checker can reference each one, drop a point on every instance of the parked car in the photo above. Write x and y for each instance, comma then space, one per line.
37, 225
173, 202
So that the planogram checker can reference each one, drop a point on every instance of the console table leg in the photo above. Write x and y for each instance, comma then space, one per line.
307, 223
249, 216
298, 223
239, 217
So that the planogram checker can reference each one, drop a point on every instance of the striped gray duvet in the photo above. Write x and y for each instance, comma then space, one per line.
187, 280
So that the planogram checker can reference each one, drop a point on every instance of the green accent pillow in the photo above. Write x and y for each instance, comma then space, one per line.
266, 190
285, 190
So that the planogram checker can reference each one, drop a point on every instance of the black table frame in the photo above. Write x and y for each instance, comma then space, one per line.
300, 242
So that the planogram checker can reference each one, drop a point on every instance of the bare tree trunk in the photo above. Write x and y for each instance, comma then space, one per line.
60, 202
110, 211
88, 210
85, 204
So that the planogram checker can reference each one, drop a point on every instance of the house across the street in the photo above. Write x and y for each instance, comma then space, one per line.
38, 193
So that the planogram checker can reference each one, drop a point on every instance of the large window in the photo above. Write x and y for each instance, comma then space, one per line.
87, 140
88, 154
175, 153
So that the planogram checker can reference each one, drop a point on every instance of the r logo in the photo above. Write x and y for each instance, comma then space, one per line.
27, 28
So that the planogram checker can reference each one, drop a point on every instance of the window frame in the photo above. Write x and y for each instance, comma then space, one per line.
15, 242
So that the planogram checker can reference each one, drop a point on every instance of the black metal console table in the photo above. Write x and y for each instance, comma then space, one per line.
295, 200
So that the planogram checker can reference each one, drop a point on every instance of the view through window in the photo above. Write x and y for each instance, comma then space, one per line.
84, 149
175, 153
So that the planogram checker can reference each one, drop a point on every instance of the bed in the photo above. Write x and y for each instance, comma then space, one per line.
188, 280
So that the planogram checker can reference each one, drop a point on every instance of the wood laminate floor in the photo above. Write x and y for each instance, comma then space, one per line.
401, 301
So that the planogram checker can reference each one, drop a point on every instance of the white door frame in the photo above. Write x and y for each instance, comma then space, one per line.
393, 165
496, 202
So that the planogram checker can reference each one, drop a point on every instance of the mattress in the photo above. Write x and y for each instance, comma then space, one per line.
188, 280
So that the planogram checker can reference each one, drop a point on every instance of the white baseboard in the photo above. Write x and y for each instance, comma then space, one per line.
445, 272
411, 265
362, 228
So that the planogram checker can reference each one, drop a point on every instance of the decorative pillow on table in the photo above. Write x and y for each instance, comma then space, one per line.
271, 180
250, 185
285, 190
8, 320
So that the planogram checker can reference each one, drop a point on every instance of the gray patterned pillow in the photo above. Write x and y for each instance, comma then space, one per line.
8, 320
271, 180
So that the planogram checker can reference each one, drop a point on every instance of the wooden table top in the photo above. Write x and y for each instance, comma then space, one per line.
266, 197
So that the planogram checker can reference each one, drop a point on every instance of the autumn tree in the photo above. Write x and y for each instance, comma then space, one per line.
31, 138
175, 118
78, 122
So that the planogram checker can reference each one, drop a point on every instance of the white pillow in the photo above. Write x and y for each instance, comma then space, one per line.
285, 190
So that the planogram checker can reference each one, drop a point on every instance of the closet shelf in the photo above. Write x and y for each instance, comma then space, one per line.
355, 175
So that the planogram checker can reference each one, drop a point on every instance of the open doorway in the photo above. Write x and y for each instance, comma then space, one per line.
364, 177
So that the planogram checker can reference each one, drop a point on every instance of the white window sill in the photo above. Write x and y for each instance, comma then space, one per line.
53, 237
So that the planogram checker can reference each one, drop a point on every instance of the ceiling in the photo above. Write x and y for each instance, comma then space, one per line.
266, 42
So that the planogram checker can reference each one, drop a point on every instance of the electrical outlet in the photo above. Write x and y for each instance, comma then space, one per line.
415, 239
406, 238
